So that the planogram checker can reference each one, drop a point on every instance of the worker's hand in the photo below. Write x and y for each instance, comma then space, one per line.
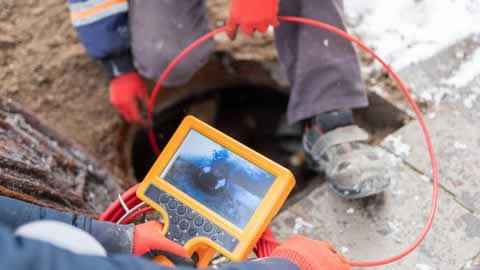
148, 238
148, 241
127, 91
251, 15
309, 254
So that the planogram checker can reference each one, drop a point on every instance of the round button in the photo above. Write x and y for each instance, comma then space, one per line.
181, 210
214, 238
191, 215
208, 227
175, 220
164, 198
192, 231
172, 204
217, 230
198, 221
178, 234
184, 225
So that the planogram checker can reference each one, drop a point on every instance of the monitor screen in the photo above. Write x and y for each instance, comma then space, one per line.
221, 180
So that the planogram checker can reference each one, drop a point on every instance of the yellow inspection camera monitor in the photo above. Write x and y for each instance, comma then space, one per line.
215, 194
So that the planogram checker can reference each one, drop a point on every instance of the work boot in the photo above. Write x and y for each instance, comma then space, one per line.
338, 149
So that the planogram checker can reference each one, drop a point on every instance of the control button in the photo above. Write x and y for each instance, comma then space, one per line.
172, 204
214, 238
218, 230
175, 219
184, 225
164, 198
198, 221
191, 215
181, 210
208, 227
177, 234
192, 231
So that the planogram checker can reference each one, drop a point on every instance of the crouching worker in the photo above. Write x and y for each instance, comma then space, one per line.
57, 240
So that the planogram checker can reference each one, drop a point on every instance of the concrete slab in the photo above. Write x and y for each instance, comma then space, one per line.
453, 120
383, 226
456, 136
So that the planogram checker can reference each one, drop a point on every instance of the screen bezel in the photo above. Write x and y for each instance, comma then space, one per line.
268, 207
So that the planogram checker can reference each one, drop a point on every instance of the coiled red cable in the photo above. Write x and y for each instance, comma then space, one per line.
267, 242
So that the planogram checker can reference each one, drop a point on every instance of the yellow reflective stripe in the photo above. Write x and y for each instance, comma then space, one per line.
97, 9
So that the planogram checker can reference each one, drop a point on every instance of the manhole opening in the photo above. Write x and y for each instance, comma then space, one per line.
255, 116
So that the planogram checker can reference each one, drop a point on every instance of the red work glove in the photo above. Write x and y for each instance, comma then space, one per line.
126, 91
149, 242
309, 254
148, 238
251, 15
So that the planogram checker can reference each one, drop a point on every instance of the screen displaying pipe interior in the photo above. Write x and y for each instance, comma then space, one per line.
221, 180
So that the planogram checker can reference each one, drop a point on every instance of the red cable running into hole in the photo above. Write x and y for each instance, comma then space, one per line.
267, 242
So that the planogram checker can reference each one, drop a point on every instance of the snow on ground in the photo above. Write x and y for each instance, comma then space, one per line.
467, 71
407, 31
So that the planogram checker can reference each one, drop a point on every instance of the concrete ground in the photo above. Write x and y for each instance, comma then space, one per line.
383, 226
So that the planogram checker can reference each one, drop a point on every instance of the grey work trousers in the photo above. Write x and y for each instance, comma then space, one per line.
321, 67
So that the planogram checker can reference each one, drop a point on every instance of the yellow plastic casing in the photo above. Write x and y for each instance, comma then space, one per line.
268, 208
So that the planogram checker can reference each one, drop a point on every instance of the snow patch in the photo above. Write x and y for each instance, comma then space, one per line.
344, 250
300, 223
468, 102
398, 147
436, 95
459, 145
431, 115
466, 72
421, 266
406, 31
425, 178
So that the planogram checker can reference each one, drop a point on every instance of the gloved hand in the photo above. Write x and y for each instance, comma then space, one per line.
149, 242
148, 237
126, 91
309, 254
251, 15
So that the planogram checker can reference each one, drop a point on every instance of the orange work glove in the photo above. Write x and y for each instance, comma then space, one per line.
309, 254
126, 91
148, 241
251, 15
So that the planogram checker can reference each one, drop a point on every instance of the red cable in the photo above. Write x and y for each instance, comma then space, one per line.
267, 243
164, 76
115, 207
136, 214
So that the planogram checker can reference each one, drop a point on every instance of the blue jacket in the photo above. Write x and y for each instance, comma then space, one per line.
24, 254
102, 26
